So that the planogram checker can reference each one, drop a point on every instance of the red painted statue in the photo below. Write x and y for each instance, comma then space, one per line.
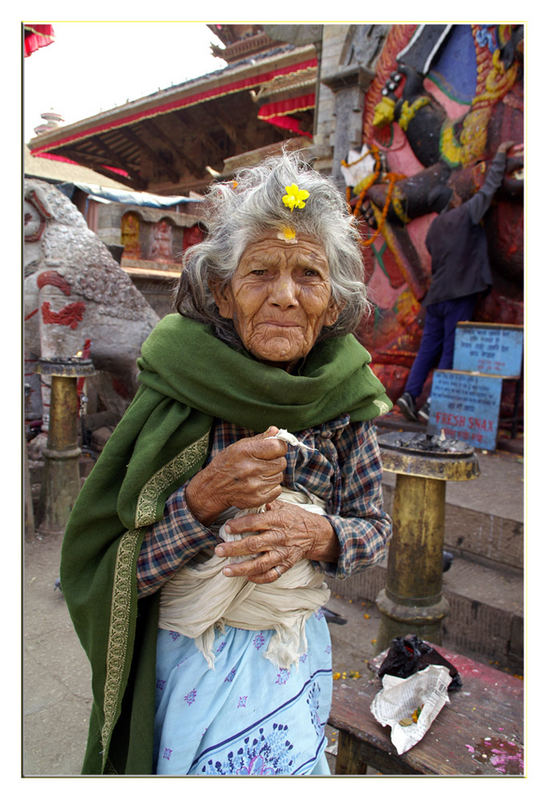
443, 99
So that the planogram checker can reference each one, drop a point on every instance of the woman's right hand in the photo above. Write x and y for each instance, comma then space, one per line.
246, 474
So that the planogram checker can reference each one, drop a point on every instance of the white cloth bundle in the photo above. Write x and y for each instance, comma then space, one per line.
199, 598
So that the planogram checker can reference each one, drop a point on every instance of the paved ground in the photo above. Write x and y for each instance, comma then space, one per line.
56, 675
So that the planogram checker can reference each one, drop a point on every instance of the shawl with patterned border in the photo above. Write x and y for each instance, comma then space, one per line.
188, 378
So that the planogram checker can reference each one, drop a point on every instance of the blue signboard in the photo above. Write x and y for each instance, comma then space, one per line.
489, 349
465, 407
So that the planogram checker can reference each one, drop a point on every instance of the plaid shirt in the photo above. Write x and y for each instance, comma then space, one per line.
344, 469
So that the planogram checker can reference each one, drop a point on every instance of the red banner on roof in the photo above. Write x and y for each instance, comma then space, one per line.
279, 113
54, 157
37, 36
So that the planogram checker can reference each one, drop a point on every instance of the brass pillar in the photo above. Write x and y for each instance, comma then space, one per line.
412, 600
61, 480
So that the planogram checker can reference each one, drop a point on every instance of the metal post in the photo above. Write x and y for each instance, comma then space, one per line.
412, 600
61, 481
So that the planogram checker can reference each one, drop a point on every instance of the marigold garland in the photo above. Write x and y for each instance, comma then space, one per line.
390, 177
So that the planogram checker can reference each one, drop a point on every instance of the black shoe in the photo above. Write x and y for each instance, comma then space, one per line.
407, 406
447, 559
424, 412
333, 616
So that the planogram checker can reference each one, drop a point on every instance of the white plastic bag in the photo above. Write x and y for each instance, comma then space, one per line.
399, 698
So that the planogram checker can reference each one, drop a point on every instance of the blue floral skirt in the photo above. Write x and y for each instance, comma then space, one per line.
246, 716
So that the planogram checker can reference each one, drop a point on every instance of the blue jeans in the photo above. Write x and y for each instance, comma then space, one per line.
437, 343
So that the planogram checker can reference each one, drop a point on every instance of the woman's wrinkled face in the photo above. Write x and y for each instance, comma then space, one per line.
279, 298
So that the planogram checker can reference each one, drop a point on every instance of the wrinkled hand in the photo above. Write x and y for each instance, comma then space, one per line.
246, 474
281, 536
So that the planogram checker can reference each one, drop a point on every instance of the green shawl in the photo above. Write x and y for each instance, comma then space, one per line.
188, 377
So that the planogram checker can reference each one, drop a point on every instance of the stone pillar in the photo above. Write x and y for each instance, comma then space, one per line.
61, 478
349, 85
347, 67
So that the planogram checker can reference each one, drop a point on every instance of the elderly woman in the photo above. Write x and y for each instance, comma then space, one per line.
245, 470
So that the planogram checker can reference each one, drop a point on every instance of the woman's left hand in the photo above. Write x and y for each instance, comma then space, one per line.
281, 536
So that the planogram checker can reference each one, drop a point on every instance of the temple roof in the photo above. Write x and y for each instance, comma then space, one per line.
54, 171
165, 142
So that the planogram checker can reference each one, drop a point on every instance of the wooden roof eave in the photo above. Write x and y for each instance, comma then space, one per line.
171, 99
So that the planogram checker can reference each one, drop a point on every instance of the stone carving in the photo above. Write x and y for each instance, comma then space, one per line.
162, 242
74, 291
129, 235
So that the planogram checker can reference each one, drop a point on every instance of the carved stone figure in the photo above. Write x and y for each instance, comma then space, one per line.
162, 242
76, 296
129, 235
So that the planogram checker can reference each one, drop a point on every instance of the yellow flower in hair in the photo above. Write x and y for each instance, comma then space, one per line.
295, 198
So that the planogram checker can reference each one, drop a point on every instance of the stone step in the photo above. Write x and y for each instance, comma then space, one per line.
485, 618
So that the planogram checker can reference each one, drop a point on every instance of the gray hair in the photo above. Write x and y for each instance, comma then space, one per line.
240, 211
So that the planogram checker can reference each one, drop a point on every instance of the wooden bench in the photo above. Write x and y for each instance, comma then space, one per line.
480, 732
